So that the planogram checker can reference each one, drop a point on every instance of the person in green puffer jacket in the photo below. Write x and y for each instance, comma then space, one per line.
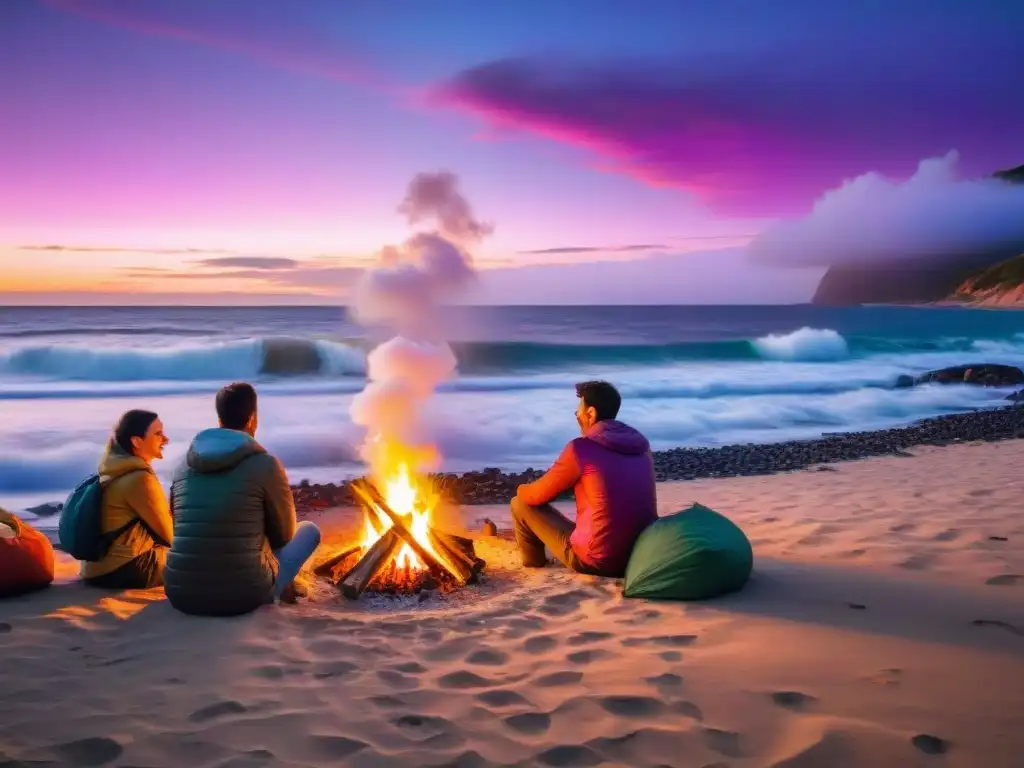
236, 542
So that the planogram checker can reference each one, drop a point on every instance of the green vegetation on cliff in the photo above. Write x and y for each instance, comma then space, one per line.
1006, 275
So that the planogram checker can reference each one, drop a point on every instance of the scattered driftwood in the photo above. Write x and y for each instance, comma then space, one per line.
376, 557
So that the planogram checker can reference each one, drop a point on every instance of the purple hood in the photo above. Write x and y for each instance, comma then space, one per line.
619, 437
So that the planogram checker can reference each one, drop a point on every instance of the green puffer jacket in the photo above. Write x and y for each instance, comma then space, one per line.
232, 506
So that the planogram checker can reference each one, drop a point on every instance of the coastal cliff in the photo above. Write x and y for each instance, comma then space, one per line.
981, 278
1001, 285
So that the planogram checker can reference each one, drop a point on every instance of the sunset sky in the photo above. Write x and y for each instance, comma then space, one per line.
173, 150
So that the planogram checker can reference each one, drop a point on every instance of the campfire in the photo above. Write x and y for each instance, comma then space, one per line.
398, 551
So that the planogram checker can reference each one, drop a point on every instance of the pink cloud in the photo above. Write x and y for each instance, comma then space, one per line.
762, 134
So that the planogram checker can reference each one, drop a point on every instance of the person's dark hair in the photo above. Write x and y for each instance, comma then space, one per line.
236, 403
133, 423
602, 397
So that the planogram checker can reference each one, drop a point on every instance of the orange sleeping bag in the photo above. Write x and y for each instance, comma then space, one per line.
26, 558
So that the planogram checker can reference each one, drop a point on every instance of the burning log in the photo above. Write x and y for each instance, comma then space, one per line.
439, 569
455, 561
327, 567
376, 557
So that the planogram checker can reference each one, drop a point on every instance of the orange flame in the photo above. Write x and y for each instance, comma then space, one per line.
410, 498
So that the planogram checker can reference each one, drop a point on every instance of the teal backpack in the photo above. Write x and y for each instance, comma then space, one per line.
80, 531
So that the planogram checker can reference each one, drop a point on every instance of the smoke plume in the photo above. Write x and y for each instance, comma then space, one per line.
933, 214
437, 195
403, 293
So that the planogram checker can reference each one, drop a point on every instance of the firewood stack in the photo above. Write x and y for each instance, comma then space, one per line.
355, 571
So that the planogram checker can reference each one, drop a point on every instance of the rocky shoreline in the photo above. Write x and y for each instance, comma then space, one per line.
492, 486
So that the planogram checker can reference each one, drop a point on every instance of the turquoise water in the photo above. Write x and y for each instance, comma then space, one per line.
689, 376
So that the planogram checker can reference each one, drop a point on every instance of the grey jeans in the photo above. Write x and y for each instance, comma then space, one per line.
542, 526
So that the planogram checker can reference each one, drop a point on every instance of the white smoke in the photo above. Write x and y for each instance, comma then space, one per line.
403, 292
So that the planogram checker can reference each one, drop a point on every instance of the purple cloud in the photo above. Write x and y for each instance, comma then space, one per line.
765, 131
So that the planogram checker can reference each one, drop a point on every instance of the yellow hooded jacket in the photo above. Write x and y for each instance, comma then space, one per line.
130, 490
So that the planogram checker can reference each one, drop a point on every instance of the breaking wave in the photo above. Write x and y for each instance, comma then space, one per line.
282, 357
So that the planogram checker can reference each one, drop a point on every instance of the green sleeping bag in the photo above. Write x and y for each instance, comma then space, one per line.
691, 555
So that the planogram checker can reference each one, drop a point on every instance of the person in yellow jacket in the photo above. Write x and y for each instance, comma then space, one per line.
134, 503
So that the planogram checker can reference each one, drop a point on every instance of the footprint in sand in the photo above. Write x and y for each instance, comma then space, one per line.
569, 755
431, 636
335, 669
930, 745
268, 672
397, 680
852, 553
422, 723
559, 678
688, 709
502, 698
95, 750
631, 706
665, 682
950, 534
387, 702
903, 527
672, 641
540, 644
585, 638
917, 562
727, 743
452, 649
463, 679
487, 657
670, 656
792, 699
220, 709
531, 723
5, 628
588, 656
1005, 580
567, 602
410, 668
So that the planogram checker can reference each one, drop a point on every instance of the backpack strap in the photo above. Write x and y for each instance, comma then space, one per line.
109, 538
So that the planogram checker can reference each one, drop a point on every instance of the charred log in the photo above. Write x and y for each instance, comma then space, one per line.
377, 557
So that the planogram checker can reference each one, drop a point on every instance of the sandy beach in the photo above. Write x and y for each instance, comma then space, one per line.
884, 626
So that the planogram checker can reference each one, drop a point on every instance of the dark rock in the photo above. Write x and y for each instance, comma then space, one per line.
980, 374
1016, 397
496, 487
46, 510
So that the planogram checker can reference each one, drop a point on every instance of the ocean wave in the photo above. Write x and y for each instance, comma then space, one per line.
472, 432
277, 358
157, 330
214, 361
